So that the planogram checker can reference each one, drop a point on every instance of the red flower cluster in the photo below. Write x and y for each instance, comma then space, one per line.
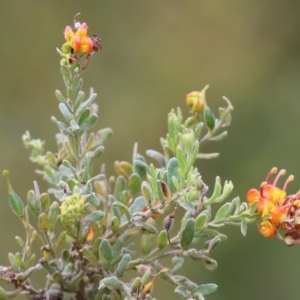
277, 211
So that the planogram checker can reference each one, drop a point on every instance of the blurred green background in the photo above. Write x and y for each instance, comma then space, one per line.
154, 53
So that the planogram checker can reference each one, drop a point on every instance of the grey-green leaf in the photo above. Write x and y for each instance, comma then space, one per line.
89, 122
223, 212
188, 233
123, 264
105, 254
205, 289
124, 209
157, 156
172, 171
94, 216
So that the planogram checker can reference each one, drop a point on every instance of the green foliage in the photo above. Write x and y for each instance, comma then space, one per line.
110, 227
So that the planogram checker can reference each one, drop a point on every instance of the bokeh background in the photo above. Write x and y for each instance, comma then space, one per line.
154, 53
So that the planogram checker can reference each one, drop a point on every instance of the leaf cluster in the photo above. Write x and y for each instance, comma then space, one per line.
104, 237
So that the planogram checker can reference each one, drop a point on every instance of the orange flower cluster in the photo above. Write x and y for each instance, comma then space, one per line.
277, 210
79, 43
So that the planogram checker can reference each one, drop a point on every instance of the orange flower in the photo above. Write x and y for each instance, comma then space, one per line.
252, 195
264, 206
279, 214
272, 193
267, 229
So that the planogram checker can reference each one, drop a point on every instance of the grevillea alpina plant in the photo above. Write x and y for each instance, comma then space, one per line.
104, 237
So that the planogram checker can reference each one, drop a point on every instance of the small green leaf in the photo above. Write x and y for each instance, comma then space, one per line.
53, 214
80, 94
94, 216
123, 264
89, 122
32, 203
115, 224
62, 127
124, 168
110, 282
105, 254
216, 193
120, 186
201, 220
162, 239
140, 167
135, 263
243, 227
74, 125
223, 212
16, 204
218, 137
92, 199
45, 201
182, 161
20, 241
146, 277
185, 281
124, 209
188, 206
178, 262
188, 233
43, 222
147, 192
65, 112
212, 244
205, 289
172, 169
150, 229
65, 73
227, 189
86, 103
97, 152
138, 204
86, 113
157, 156
88, 254
182, 291
101, 136
136, 283
147, 243
134, 185
59, 96
209, 118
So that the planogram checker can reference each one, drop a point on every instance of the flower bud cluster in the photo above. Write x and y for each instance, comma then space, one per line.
72, 209
276, 210
195, 100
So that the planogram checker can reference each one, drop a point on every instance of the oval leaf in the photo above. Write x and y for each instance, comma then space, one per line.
94, 216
